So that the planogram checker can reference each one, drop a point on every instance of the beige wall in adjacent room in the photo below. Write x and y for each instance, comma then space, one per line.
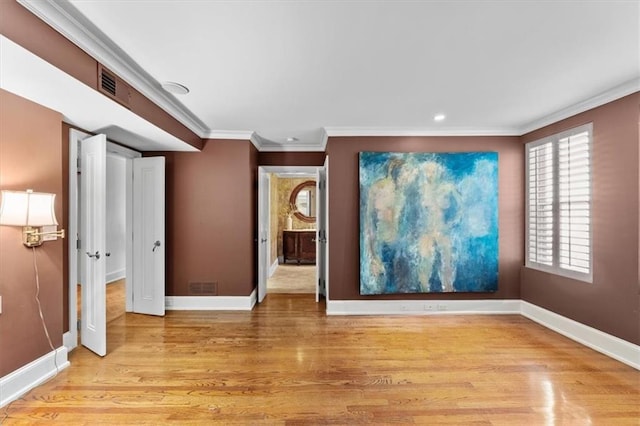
284, 189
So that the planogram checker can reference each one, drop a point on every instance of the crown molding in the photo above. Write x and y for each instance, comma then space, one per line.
390, 131
610, 95
325, 139
266, 145
69, 22
229, 134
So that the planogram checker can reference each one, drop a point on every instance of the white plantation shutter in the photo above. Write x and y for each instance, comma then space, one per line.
574, 202
559, 203
541, 194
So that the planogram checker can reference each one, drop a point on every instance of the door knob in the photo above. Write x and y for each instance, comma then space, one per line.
97, 255
156, 245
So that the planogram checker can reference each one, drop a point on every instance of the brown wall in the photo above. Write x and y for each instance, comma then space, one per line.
25, 29
30, 158
211, 218
344, 209
610, 303
291, 158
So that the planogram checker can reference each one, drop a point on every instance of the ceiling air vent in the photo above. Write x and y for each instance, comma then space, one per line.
112, 86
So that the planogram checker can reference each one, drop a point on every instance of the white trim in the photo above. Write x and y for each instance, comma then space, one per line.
292, 148
229, 134
256, 141
325, 139
27, 377
600, 341
390, 131
75, 136
422, 307
68, 342
116, 275
68, 21
273, 267
610, 95
210, 303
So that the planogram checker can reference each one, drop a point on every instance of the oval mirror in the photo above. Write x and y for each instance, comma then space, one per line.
303, 197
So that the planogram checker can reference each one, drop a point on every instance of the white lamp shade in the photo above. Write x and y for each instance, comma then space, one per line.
27, 208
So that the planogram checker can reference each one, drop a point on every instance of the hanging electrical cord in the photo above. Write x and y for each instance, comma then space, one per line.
46, 332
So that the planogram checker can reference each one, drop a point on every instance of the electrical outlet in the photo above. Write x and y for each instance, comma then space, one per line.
428, 307
442, 307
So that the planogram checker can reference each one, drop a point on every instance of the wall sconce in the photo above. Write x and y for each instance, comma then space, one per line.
32, 211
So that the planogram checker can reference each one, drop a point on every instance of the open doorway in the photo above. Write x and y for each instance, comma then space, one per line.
293, 223
117, 257
88, 252
293, 230
116, 235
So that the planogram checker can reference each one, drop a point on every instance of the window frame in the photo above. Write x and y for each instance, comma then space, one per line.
555, 268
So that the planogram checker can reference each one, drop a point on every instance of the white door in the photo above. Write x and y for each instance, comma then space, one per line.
93, 160
263, 232
148, 236
321, 230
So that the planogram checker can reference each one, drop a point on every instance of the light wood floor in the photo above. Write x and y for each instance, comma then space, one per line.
293, 279
285, 362
115, 300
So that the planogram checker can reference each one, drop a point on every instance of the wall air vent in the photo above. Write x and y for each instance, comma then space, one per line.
203, 288
108, 83
114, 87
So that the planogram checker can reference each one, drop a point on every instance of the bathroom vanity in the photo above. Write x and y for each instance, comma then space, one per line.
299, 245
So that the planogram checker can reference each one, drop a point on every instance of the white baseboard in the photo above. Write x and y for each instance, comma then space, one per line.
115, 275
70, 341
273, 267
422, 307
602, 342
21, 381
210, 303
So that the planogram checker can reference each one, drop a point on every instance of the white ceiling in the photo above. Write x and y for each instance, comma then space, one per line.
291, 69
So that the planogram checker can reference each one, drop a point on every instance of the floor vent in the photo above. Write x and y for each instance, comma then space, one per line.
113, 87
203, 288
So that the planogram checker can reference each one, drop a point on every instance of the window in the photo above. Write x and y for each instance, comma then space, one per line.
559, 203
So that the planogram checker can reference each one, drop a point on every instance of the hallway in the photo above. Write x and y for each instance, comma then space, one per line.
292, 279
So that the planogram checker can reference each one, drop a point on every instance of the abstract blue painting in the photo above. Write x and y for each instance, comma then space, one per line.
428, 222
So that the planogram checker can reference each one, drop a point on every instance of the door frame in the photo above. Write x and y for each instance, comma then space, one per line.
70, 338
264, 244
307, 170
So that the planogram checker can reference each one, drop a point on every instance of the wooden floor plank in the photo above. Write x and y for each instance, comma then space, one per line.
287, 363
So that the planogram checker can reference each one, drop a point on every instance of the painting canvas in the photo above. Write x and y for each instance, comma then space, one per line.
428, 222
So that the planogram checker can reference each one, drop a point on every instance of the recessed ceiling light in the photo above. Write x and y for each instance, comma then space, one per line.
292, 139
175, 88
439, 117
